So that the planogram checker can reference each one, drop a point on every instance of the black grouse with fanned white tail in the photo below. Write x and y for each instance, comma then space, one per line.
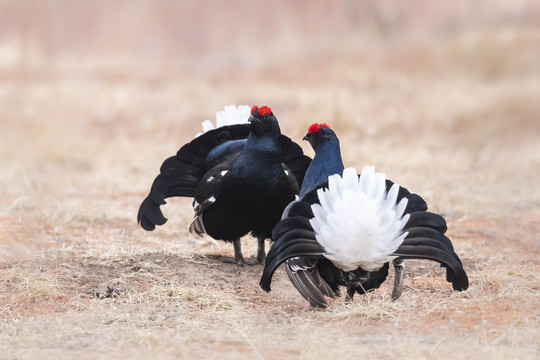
241, 177
346, 229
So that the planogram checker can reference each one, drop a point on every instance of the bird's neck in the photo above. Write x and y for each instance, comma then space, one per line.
327, 162
262, 146
259, 155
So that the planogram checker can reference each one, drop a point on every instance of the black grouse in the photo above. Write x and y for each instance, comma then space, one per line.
241, 177
345, 229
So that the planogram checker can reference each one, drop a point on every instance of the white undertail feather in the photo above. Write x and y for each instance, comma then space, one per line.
232, 115
357, 222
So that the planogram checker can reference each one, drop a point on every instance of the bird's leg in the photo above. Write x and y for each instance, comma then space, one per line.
399, 265
261, 254
238, 258
350, 295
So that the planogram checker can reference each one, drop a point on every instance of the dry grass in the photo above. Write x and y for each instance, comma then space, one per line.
454, 119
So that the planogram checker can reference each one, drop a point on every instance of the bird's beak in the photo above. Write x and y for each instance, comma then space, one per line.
253, 119
306, 137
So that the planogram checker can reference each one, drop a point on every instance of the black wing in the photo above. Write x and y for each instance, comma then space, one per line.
206, 195
305, 277
293, 157
180, 174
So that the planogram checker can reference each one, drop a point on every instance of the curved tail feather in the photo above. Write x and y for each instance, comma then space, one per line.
177, 178
289, 249
415, 201
292, 222
430, 250
150, 214
427, 219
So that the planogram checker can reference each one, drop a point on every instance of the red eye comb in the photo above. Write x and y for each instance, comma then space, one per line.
255, 107
315, 127
263, 110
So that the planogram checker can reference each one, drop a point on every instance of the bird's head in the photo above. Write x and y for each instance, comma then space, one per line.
263, 121
320, 134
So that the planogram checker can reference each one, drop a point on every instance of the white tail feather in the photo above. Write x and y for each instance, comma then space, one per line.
357, 222
232, 115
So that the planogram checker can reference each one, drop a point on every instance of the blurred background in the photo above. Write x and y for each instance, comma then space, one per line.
443, 96
213, 35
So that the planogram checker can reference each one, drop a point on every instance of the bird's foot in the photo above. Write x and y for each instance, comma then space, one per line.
238, 258
260, 257
239, 262
350, 295
255, 260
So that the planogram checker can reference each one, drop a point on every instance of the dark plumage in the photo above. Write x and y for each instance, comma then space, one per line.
349, 236
241, 177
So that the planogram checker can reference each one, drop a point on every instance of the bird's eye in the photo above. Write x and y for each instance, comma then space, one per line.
266, 116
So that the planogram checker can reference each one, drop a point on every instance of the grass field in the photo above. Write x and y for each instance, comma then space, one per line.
455, 119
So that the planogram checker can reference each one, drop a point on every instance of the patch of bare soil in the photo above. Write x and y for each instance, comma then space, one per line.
176, 304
